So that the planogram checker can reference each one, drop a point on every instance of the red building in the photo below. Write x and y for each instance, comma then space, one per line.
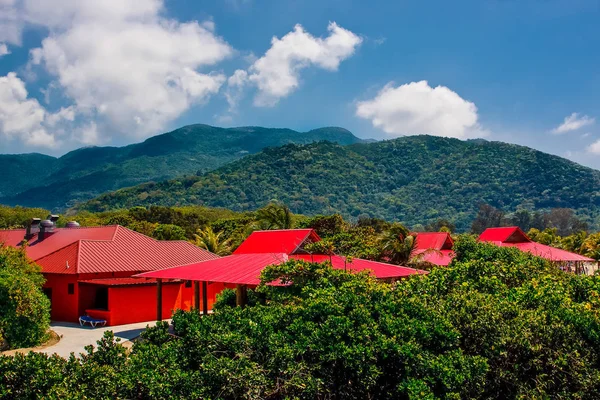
263, 248
434, 247
88, 270
513, 236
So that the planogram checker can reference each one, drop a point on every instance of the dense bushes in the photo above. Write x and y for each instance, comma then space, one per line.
24, 309
496, 324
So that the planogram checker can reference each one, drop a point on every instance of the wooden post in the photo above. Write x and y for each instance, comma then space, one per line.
197, 295
204, 297
159, 299
241, 298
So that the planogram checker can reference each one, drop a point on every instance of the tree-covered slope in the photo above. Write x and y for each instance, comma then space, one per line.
85, 173
22, 171
412, 179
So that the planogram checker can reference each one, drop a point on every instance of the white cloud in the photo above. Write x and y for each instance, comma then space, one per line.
125, 67
3, 49
276, 74
417, 108
594, 148
11, 22
234, 90
23, 118
573, 122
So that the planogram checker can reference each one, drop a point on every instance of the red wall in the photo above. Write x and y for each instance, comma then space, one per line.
64, 305
129, 304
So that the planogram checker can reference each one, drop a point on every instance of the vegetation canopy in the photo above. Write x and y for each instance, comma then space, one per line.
495, 324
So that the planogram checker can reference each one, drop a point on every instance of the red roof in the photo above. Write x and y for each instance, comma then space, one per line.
512, 234
122, 282
105, 249
242, 269
434, 247
514, 237
60, 238
285, 241
436, 257
434, 240
548, 252
245, 269
380, 270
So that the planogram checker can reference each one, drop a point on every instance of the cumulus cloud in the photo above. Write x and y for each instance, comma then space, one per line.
573, 122
417, 108
126, 68
594, 148
11, 21
23, 118
3, 49
276, 74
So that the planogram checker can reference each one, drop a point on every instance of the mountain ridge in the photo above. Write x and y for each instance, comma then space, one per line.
87, 172
414, 179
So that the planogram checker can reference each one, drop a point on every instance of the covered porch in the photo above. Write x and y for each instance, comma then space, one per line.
121, 301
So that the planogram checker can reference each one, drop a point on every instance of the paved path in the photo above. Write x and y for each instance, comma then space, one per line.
74, 338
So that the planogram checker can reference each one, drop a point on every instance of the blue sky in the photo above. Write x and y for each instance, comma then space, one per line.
79, 73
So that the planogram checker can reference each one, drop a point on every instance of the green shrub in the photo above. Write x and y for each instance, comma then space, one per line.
24, 309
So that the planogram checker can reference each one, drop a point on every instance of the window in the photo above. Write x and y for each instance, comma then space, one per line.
71, 288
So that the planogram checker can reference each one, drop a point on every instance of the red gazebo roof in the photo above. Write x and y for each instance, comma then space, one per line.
245, 269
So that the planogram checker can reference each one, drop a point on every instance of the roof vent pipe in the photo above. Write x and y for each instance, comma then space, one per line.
45, 226
33, 227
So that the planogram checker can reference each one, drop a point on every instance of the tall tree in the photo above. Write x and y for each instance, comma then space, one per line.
487, 217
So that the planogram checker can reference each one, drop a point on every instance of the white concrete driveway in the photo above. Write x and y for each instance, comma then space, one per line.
74, 338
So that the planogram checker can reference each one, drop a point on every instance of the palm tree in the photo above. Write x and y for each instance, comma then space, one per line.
210, 240
397, 244
276, 216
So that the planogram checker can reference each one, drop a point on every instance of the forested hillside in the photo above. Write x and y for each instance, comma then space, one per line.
416, 180
57, 183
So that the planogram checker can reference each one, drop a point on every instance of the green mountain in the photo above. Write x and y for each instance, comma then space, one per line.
415, 180
58, 183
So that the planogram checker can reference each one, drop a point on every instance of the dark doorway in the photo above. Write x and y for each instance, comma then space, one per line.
101, 302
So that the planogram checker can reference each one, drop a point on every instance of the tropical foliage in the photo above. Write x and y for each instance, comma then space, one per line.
495, 324
24, 309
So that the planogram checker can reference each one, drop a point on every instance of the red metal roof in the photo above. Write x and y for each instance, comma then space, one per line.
245, 269
106, 249
512, 234
380, 270
242, 269
60, 238
122, 282
434, 240
548, 252
437, 257
276, 241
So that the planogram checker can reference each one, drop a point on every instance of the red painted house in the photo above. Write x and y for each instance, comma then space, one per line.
434, 247
263, 248
88, 270
513, 236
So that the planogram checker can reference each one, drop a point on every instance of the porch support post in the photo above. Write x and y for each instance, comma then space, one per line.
204, 297
197, 295
241, 298
159, 299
